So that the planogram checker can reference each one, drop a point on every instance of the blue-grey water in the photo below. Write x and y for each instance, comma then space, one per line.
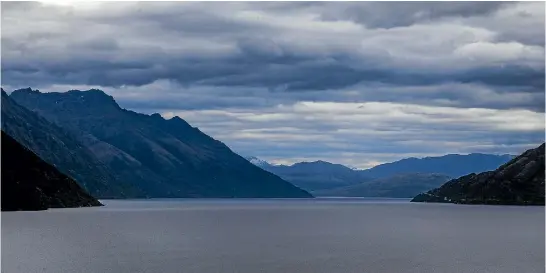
250, 236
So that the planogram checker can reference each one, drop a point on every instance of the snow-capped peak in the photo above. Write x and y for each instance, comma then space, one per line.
258, 162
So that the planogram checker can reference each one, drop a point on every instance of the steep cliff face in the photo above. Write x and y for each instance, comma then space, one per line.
29, 183
518, 182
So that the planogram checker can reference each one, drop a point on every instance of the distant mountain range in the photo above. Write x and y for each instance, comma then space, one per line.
518, 182
397, 186
29, 183
117, 153
312, 176
403, 178
453, 165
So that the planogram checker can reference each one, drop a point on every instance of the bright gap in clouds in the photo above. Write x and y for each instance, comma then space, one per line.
74, 4
365, 134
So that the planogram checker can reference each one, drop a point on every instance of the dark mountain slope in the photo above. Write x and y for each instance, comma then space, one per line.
452, 165
398, 186
29, 183
182, 159
63, 150
518, 182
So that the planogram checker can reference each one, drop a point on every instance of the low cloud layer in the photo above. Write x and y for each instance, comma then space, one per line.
356, 83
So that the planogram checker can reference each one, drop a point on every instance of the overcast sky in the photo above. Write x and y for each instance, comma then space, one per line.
356, 83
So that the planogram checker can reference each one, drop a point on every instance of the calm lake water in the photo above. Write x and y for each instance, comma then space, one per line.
250, 236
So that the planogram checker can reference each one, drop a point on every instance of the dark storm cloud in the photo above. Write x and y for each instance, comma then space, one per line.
235, 63
284, 74
531, 80
399, 14
255, 53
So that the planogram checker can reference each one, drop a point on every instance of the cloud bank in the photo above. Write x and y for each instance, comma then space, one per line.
356, 83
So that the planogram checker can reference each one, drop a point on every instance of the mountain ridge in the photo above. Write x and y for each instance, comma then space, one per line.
517, 182
64, 150
180, 159
321, 176
316, 175
453, 165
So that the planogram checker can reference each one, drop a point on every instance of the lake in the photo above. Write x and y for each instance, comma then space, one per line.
300, 236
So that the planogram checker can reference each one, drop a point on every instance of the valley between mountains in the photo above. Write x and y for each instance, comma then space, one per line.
102, 151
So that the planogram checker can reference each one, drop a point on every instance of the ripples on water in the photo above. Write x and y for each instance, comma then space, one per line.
265, 235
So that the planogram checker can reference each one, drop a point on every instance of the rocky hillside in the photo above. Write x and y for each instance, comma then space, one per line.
518, 182
29, 183
164, 158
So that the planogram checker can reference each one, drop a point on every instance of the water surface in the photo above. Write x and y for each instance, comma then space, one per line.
315, 236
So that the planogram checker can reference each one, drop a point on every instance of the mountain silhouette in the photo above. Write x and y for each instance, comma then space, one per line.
518, 182
162, 157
